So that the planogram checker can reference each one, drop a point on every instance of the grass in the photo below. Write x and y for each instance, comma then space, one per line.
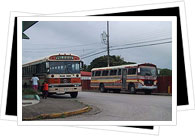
29, 91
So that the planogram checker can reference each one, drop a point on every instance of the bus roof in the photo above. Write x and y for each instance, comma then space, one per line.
124, 66
49, 58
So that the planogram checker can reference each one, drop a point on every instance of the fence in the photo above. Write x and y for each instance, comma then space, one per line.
164, 84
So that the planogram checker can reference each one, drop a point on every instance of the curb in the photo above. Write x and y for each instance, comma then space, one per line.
31, 97
162, 94
58, 115
29, 102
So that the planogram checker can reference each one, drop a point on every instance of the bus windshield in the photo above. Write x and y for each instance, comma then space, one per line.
64, 67
148, 71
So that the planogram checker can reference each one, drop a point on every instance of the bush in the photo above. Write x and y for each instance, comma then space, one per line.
28, 91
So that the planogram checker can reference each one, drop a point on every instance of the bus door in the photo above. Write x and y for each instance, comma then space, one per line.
124, 78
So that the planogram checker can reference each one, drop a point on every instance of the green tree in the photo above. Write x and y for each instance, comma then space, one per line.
84, 67
102, 62
165, 72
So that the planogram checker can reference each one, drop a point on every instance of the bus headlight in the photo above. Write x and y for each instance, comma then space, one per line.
51, 86
76, 85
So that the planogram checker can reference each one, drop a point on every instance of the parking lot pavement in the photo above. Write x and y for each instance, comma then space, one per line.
53, 107
105, 107
124, 107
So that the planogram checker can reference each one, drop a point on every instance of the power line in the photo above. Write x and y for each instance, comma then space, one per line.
133, 44
92, 52
138, 46
142, 42
128, 44
151, 35
141, 45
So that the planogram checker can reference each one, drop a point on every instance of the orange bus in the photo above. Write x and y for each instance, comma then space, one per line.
132, 78
61, 71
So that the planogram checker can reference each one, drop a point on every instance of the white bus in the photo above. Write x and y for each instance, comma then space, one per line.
61, 71
132, 78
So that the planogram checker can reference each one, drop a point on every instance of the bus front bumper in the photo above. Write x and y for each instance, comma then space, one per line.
147, 87
64, 90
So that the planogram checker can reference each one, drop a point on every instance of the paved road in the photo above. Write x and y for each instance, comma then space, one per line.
124, 107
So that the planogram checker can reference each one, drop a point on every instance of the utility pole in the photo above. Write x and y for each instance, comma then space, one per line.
108, 48
105, 40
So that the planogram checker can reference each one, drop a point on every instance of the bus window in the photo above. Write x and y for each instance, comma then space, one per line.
22, 71
93, 73
113, 72
33, 69
97, 73
131, 71
64, 67
75, 67
119, 71
28, 70
105, 73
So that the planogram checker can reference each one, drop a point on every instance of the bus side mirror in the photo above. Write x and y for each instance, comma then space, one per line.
158, 71
47, 65
81, 64
138, 70
48, 70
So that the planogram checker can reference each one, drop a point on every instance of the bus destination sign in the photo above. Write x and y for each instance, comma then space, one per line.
64, 57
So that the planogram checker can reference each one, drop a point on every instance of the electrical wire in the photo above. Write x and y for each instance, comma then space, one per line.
138, 46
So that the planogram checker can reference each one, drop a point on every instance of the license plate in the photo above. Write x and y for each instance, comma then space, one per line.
60, 92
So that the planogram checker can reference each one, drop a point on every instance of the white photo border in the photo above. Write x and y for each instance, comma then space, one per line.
99, 123
8, 64
149, 6
154, 131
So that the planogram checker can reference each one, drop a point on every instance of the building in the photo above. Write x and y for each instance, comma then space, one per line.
85, 80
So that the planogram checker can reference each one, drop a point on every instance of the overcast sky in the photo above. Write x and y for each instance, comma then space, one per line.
84, 38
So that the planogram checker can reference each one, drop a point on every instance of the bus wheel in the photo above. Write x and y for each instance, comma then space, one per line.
102, 89
148, 92
73, 94
132, 89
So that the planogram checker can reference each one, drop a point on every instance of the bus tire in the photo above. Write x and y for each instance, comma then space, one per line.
148, 92
102, 89
73, 94
131, 89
